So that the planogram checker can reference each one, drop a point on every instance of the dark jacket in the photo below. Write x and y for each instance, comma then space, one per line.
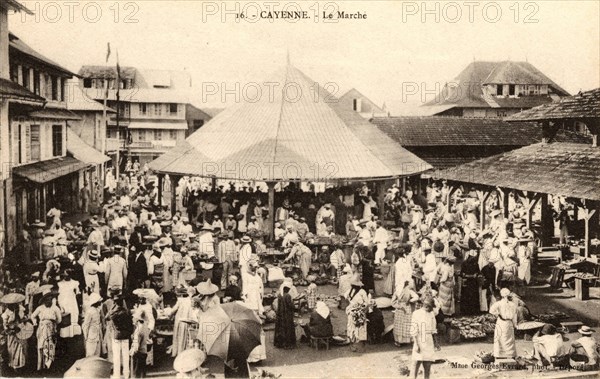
122, 322
319, 326
137, 270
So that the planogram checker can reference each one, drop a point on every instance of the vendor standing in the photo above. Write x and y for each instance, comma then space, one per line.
504, 334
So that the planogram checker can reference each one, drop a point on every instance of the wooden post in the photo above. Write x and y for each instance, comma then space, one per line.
403, 185
381, 199
482, 196
530, 203
43, 212
161, 178
270, 218
214, 184
174, 180
587, 215
504, 200
452, 190
547, 221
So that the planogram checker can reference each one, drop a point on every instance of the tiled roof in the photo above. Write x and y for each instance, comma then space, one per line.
457, 131
565, 169
12, 90
466, 90
82, 151
16, 44
582, 105
290, 134
106, 72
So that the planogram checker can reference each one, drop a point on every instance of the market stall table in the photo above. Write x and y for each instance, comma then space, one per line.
582, 285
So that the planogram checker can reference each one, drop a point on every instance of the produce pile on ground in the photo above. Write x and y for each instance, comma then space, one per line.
472, 327
551, 317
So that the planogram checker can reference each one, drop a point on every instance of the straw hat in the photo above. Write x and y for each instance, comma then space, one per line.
585, 330
246, 239
207, 288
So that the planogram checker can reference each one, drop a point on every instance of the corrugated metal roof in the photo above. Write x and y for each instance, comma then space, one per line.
290, 133
583, 105
46, 171
170, 125
458, 131
565, 169
82, 151
12, 90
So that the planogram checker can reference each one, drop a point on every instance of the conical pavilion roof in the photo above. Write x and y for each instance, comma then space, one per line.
289, 128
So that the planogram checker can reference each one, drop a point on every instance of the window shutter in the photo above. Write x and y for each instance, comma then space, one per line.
27, 143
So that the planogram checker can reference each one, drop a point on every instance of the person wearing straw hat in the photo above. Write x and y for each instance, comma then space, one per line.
207, 293
586, 345
504, 334
92, 327
182, 311
47, 316
252, 294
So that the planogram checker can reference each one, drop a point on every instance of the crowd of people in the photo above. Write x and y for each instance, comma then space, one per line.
111, 276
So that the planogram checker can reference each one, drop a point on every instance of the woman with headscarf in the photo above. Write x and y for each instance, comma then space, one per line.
320, 325
404, 303
356, 328
183, 311
446, 287
47, 316
524, 254
68, 290
17, 348
403, 271
469, 300
504, 334
92, 327
285, 334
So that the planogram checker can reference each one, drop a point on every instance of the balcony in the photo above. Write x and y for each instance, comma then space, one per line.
114, 144
153, 145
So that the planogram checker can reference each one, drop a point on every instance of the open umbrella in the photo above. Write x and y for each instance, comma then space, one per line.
230, 331
528, 325
12, 298
189, 360
90, 367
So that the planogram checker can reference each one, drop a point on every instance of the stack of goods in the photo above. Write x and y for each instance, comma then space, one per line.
473, 327
551, 317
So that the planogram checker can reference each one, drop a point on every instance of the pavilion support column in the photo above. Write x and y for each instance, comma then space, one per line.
214, 184
547, 220
174, 181
451, 192
482, 195
381, 186
529, 203
270, 217
404, 185
504, 197
587, 214
161, 179
44, 193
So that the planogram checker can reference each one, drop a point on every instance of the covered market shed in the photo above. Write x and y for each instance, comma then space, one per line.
570, 170
288, 129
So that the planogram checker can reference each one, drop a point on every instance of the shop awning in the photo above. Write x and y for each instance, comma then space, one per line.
12, 90
47, 171
82, 151
55, 114
168, 125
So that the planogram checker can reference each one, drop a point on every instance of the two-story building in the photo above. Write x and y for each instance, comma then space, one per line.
495, 90
150, 109
48, 165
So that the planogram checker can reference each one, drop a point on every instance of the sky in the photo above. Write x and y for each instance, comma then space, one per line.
402, 47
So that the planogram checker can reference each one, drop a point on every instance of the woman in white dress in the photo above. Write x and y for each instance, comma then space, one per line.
243, 222
423, 333
356, 327
524, 258
92, 327
504, 334
68, 290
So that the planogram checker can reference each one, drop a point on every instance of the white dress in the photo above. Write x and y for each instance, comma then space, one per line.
423, 327
242, 223
67, 300
252, 294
